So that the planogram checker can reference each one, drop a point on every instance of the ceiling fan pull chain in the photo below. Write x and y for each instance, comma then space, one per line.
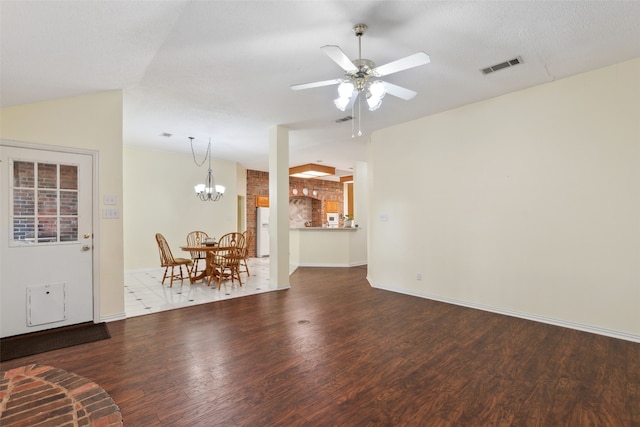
360, 116
353, 124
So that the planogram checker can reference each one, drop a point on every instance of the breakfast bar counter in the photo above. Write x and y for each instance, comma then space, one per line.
327, 247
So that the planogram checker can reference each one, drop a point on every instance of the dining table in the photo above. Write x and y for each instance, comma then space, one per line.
231, 253
200, 248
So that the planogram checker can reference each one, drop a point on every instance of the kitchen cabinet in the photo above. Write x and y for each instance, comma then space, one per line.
262, 201
332, 206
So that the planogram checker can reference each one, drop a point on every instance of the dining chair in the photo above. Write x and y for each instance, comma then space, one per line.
197, 238
249, 239
224, 262
167, 260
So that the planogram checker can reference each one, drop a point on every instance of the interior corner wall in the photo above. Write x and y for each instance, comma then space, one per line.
92, 122
159, 198
360, 212
241, 182
527, 204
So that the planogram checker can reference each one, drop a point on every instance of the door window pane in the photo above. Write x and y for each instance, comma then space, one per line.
47, 202
23, 174
24, 229
47, 230
68, 177
47, 175
68, 229
24, 202
68, 203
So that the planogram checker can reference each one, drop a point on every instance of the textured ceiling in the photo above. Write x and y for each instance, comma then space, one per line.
222, 69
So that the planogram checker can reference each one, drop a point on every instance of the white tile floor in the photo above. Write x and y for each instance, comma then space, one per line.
145, 294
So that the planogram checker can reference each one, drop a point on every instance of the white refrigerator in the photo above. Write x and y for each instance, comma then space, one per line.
262, 232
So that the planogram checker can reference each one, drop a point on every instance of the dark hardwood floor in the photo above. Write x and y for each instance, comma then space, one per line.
332, 351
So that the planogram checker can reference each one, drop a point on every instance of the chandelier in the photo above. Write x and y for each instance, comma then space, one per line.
209, 191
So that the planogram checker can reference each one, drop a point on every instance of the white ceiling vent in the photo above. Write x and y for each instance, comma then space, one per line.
344, 119
506, 64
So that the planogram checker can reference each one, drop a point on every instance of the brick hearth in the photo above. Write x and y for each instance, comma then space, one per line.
38, 395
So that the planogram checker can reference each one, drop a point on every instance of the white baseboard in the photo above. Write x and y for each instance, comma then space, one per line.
341, 265
113, 317
322, 264
522, 315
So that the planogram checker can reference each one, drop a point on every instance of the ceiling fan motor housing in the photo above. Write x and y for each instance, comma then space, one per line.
364, 65
360, 29
363, 74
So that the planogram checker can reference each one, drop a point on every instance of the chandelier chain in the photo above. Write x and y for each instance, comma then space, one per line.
207, 155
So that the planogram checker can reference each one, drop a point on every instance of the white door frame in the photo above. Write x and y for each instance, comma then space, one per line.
95, 208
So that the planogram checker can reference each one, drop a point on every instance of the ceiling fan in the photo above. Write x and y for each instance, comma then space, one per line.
361, 73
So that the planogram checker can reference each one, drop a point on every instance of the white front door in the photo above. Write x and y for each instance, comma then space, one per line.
46, 239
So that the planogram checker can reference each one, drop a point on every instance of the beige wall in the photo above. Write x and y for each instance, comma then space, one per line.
526, 204
91, 122
159, 198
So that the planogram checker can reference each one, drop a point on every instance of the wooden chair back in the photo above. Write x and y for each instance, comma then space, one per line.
231, 240
197, 238
167, 260
225, 261
249, 239
166, 257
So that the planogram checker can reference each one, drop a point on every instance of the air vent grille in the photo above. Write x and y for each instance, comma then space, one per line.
502, 65
344, 119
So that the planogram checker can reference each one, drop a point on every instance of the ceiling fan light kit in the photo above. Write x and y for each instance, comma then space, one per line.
360, 76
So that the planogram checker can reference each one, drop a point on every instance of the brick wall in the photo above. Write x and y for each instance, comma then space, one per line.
301, 208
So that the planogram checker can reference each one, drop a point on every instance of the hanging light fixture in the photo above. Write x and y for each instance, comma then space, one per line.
375, 94
345, 92
360, 83
209, 191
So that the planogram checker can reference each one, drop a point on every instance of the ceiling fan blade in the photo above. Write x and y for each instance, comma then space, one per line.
339, 57
399, 91
401, 64
316, 84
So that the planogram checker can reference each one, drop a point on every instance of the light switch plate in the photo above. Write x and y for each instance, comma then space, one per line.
110, 199
110, 213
